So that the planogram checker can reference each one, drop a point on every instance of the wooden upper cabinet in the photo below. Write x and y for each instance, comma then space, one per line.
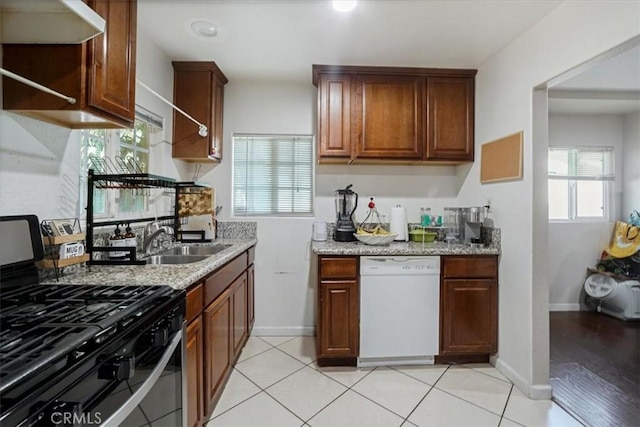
394, 115
100, 74
388, 117
198, 89
450, 121
334, 116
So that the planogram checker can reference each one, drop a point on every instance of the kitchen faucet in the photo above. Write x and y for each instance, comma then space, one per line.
151, 231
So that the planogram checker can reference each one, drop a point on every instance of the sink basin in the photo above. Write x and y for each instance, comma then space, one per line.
175, 259
197, 250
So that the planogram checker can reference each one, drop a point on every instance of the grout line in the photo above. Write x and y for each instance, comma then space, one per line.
384, 407
467, 401
418, 379
425, 396
505, 406
237, 404
488, 375
281, 404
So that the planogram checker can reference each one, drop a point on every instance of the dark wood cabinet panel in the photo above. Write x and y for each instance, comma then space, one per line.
469, 305
338, 321
99, 74
450, 118
194, 371
338, 267
239, 304
217, 332
251, 296
334, 116
469, 310
112, 59
220, 315
388, 117
394, 115
198, 89
470, 267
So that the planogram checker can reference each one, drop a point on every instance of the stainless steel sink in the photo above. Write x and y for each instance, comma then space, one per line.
175, 259
197, 250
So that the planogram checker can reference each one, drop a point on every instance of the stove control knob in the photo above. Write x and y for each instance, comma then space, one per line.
159, 337
118, 368
175, 322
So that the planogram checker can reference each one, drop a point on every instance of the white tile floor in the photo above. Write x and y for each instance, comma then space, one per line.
276, 382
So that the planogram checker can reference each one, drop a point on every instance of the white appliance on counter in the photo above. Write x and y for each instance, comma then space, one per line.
399, 310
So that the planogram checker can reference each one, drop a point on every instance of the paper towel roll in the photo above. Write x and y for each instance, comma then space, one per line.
398, 223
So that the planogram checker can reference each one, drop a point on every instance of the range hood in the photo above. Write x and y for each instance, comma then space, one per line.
48, 21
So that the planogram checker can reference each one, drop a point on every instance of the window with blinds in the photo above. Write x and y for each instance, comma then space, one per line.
580, 183
272, 175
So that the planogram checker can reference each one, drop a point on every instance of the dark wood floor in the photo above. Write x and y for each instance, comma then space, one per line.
595, 367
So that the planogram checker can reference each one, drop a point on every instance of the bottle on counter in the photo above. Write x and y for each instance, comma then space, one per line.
117, 240
425, 217
129, 237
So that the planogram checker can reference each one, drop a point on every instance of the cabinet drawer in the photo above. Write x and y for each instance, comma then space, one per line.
338, 268
220, 280
194, 302
470, 266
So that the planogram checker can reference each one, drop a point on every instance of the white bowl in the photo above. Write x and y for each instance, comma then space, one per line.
376, 239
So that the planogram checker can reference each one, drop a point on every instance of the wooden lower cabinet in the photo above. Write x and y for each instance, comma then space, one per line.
194, 366
220, 317
239, 304
217, 323
338, 318
469, 305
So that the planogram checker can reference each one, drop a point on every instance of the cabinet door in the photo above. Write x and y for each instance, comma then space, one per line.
198, 89
450, 110
239, 302
468, 316
112, 60
389, 117
217, 117
251, 296
217, 332
339, 319
195, 365
334, 117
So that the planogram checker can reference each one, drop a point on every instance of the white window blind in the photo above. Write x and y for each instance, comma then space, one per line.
581, 163
272, 175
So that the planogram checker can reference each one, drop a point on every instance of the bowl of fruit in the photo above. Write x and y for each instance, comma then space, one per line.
376, 237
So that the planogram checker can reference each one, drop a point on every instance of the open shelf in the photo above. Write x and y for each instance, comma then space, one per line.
60, 263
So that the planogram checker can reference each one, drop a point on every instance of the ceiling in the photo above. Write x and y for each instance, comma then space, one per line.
611, 86
280, 40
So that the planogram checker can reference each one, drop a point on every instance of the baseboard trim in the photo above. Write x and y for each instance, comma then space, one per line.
283, 331
532, 391
564, 307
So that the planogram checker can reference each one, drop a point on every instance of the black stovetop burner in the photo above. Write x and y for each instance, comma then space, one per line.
45, 327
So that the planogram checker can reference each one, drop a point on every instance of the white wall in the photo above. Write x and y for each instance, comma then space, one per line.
631, 170
573, 247
571, 34
285, 278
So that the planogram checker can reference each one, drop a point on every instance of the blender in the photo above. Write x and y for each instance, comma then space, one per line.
346, 204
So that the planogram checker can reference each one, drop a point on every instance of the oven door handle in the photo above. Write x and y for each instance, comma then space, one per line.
125, 410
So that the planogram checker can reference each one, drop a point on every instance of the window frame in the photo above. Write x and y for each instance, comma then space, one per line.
112, 147
312, 143
608, 188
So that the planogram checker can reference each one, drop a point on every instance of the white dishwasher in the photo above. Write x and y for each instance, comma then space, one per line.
399, 310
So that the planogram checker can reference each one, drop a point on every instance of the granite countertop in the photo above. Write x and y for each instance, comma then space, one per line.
331, 247
178, 276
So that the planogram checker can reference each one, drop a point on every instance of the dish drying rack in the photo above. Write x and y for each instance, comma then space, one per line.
126, 174
371, 216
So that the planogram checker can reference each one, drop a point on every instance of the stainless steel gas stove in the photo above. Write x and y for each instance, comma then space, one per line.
85, 355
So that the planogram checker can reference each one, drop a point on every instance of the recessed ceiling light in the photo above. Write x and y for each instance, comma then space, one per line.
344, 5
204, 29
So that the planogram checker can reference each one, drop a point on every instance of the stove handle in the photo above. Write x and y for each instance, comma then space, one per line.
125, 410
